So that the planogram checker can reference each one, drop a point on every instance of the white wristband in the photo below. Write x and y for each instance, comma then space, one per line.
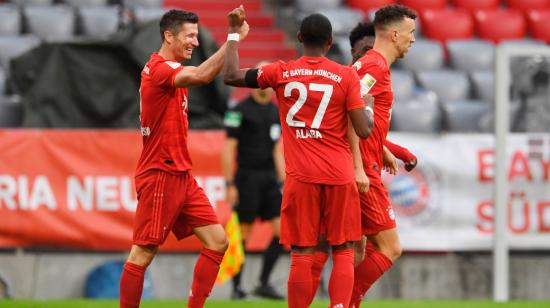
369, 108
233, 37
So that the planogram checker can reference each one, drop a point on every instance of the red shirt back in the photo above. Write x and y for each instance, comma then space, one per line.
314, 95
375, 76
163, 115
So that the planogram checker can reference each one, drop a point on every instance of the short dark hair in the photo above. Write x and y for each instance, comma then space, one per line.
391, 14
360, 31
173, 19
316, 30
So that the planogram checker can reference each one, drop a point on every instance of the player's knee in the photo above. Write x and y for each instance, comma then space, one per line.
393, 252
218, 244
142, 255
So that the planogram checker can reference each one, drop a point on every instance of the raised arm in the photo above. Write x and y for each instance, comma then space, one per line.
232, 75
204, 73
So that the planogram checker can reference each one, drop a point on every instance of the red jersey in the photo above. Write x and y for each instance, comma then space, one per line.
314, 95
374, 71
163, 115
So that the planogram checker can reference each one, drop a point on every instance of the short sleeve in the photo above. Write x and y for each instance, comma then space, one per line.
233, 121
369, 74
268, 75
353, 93
165, 72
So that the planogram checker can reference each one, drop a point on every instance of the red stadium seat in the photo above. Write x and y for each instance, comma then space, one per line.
447, 24
539, 24
497, 25
527, 5
473, 5
422, 5
367, 5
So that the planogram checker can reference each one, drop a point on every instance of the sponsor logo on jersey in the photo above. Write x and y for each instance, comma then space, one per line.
146, 70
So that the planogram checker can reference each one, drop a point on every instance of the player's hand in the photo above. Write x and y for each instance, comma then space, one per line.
236, 19
409, 165
390, 162
231, 196
361, 180
243, 31
369, 100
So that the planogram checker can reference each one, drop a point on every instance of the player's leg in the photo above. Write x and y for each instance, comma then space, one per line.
342, 219
131, 281
382, 247
320, 257
300, 219
270, 209
197, 216
157, 206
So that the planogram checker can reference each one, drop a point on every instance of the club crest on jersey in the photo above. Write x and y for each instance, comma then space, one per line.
357, 65
367, 83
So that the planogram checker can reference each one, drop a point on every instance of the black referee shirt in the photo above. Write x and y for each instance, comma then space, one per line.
257, 129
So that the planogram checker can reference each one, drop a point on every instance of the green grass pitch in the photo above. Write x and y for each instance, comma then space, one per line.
270, 304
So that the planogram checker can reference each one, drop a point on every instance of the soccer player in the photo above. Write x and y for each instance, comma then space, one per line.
394, 28
315, 97
169, 198
361, 40
253, 135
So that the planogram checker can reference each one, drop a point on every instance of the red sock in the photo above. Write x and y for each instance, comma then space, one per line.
319, 260
131, 285
367, 272
341, 278
206, 271
299, 280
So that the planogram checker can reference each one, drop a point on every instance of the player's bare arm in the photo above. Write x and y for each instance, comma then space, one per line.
232, 75
362, 120
361, 178
389, 161
209, 69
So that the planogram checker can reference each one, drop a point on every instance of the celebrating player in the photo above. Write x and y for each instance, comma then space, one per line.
394, 27
169, 198
315, 96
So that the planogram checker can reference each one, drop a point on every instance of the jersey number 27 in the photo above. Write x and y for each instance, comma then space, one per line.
303, 92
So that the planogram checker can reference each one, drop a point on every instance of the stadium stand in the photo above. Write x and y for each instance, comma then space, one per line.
475, 5
449, 85
11, 111
425, 55
498, 25
459, 35
470, 55
99, 21
10, 20
483, 85
465, 115
56, 22
427, 113
447, 24
539, 25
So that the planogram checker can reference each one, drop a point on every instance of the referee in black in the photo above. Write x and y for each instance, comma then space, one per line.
253, 135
